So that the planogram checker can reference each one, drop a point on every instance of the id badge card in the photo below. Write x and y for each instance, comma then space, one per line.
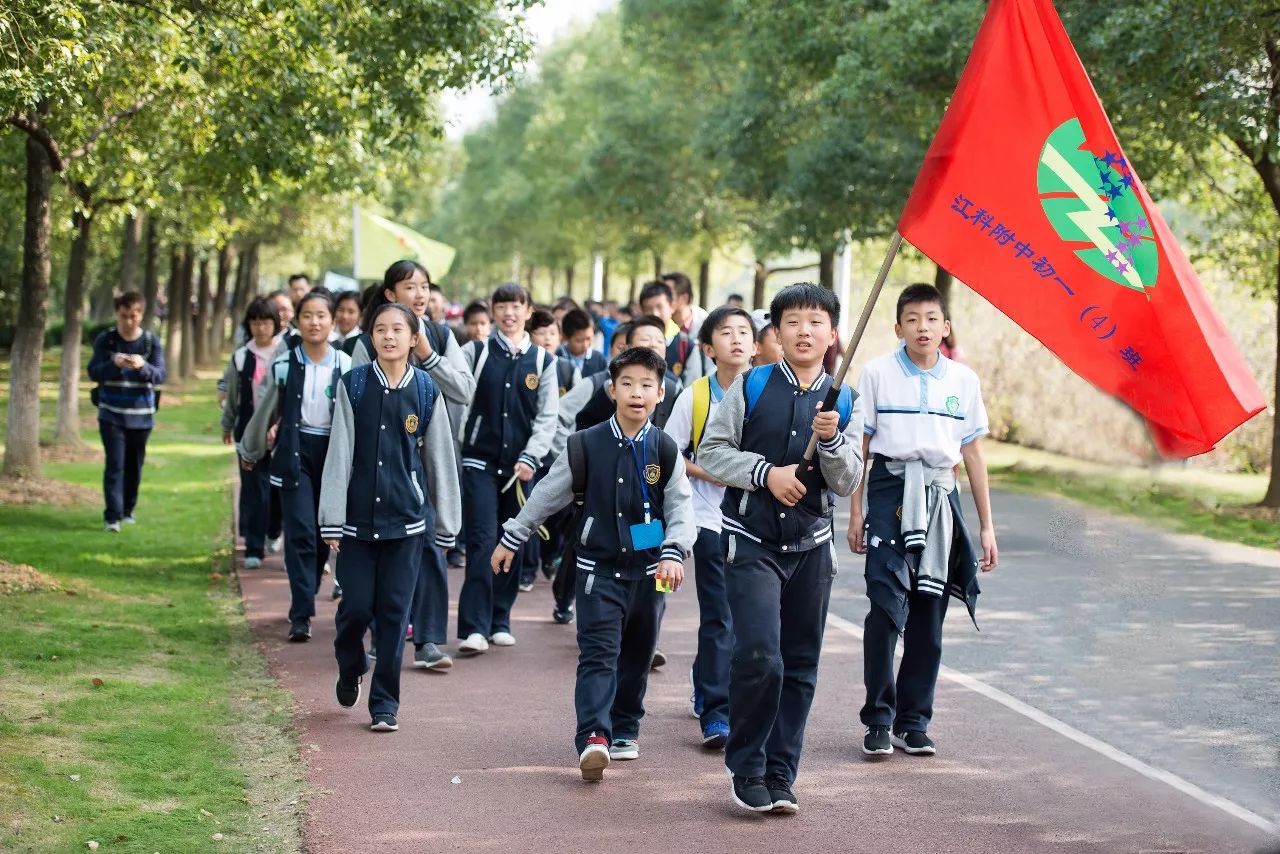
647, 535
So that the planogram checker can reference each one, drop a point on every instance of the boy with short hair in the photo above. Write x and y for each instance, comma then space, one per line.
508, 430
779, 557
636, 527
728, 340
544, 330
475, 317
578, 331
658, 300
923, 414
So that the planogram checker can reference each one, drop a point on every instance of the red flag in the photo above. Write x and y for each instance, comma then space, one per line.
1026, 196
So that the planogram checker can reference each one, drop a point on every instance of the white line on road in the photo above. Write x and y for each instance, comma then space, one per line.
1101, 747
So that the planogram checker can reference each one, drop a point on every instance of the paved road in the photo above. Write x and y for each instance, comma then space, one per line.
1154, 644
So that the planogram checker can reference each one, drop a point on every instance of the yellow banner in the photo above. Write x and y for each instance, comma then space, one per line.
379, 243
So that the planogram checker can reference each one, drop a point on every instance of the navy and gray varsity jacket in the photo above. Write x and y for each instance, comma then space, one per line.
613, 503
512, 417
740, 452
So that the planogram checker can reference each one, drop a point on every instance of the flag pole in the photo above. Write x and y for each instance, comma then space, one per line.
833, 393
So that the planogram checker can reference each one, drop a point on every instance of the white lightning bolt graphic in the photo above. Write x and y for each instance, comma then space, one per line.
1093, 218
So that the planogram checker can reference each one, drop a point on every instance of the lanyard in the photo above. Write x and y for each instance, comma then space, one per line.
640, 459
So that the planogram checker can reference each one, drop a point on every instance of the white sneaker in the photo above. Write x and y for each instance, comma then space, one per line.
526, 587
129, 520
275, 545
474, 644
111, 527
252, 563
503, 639
594, 759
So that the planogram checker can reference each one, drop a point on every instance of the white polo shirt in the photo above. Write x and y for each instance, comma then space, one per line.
679, 426
913, 414
317, 408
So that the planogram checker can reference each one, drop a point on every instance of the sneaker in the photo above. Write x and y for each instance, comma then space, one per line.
876, 742
300, 632
337, 591
659, 659
373, 652
562, 618
526, 586
715, 735
347, 691
129, 520
457, 560
914, 742
750, 793
695, 697
431, 657
384, 723
274, 546
594, 759
111, 527
549, 570
253, 563
784, 800
503, 639
624, 748
474, 644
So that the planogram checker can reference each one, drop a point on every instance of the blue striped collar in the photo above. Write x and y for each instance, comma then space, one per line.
790, 374
618, 434
382, 377
305, 360
911, 369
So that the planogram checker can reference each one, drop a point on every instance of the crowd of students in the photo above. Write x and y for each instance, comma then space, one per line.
604, 448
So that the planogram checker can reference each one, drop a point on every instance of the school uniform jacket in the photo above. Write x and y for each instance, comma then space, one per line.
512, 417
383, 480
448, 369
592, 363
588, 403
282, 400
740, 453
613, 503
237, 384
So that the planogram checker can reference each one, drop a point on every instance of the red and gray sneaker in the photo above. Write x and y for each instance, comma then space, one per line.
594, 759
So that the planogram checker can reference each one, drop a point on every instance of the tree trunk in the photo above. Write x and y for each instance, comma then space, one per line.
200, 331
757, 284
129, 253
657, 265
1272, 498
150, 276
827, 269
173, 322
184, 309
22, 439
568, 281
942, 281
704, 282
634, 286
528, 279
246, 281
604, 280
66, 429
218, 324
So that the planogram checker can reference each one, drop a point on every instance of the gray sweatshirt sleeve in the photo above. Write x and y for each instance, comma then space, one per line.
677, 511
567, 418
544, 423
337, 467
360, 354
253, 444
230, 385
553, 493
841, 458
452, 372
440, 462
720, 452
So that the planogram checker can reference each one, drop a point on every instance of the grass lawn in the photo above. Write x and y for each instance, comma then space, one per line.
1181, 498
136, 711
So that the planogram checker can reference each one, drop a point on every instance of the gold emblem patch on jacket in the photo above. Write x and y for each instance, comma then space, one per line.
411, 424
651, 473
531, 382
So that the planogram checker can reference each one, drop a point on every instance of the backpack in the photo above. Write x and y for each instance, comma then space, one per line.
758, 377
95, 393
426, 398
701, 412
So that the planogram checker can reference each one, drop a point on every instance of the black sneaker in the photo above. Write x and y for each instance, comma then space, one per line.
384, 723
914, 742
784, 800
876, 742
562, 618
659, 659
750, 794
456, 559
300, 632
347, 691
549, 570
337, 591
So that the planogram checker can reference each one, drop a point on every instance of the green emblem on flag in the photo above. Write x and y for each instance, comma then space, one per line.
1091, 200
953, 404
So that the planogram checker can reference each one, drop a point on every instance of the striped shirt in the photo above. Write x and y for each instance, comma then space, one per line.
126, 397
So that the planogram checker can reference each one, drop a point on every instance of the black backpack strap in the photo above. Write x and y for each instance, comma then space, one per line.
667, 453
578, 468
